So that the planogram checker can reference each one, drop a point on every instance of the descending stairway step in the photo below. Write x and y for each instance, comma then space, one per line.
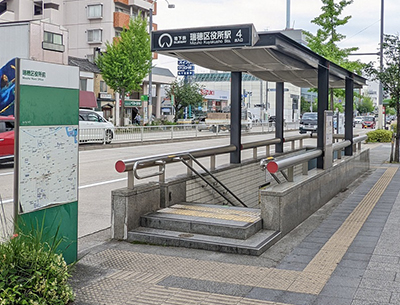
215, 220
255, 245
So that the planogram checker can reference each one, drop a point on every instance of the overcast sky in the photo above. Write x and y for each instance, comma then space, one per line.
362, 30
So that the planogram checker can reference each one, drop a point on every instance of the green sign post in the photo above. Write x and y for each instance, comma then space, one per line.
46, 151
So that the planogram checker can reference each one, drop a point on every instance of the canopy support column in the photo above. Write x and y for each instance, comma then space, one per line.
323, 88
236, 112
279, 106
348, 125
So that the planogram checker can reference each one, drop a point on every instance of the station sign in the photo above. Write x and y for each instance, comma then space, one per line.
201, 38
185, 68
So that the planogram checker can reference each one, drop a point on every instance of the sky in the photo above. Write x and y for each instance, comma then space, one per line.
362, 30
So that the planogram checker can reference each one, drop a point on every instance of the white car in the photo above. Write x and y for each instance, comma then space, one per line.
358, 119
94, 128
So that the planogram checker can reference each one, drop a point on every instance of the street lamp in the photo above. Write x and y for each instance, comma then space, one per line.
150, 89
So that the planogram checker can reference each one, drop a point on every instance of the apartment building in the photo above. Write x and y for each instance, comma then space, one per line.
76, 28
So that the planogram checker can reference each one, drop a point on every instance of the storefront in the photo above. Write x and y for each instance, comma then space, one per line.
215, 100
106, 104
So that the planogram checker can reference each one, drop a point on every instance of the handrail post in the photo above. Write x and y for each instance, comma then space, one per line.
267, 150
161, 168
188, 170
172, 132
293, 144
255, 153
131, 180
141, 133
291, 174
301, 143
212, 163
305, 168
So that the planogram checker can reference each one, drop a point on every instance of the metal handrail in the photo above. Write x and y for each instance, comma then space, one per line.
340, 145
144, 162
132, 166
159, 173
210, 184
261, 143
274, 166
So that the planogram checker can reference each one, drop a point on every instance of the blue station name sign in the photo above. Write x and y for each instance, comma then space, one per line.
198, 38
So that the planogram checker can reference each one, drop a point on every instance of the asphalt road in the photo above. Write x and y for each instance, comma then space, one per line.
98, 177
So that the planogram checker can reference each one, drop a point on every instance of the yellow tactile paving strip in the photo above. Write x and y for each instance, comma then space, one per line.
326, 260
213, 213
143, 271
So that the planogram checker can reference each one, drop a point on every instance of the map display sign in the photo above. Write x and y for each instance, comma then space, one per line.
49, 166
47, 117
199, 38
46, 161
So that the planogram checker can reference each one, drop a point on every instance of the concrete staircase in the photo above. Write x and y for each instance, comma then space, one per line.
209, 227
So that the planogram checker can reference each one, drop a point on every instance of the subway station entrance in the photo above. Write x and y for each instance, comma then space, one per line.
270, 56
231, 207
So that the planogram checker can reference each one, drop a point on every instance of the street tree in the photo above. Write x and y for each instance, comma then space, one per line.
127, 60
184, 94
389, 76
325, 41
365, 105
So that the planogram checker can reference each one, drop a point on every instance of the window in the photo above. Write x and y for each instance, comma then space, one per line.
38, 8
52, 38
3, 7
94, 36
52, 42
95, 11
83, 84
103, 86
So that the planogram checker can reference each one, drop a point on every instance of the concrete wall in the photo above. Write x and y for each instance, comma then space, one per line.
285, 206
244, 180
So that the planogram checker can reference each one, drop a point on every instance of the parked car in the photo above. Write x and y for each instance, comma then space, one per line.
94, 128
368, 122
358, 119
6, 138
309, 122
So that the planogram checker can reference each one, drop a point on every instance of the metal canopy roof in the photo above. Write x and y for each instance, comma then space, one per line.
273, 57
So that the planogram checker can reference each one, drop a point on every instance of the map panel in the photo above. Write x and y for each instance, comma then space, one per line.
48, 166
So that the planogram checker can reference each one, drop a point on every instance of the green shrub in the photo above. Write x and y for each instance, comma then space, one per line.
32, 272
379, 135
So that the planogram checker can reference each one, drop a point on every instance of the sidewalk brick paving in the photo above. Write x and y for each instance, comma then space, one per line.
352, 257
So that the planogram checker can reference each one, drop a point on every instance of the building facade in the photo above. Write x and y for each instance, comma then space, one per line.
257, 95
80, 29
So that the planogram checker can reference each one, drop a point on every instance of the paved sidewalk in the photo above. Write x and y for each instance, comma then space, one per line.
348, 252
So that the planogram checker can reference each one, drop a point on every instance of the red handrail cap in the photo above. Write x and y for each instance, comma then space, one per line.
120, 166
272, 167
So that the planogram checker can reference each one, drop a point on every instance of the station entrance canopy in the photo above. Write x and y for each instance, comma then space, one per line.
270, 56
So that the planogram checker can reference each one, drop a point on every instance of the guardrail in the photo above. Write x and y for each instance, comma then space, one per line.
273, 166
132, 166
165, 132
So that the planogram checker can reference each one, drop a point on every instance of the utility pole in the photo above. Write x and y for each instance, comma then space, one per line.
381, 124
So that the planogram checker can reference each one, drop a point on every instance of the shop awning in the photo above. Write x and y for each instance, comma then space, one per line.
87, 99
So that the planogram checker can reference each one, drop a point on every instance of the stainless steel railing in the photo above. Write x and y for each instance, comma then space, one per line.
274, 166
133, 166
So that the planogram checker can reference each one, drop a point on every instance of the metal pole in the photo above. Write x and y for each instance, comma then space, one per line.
150, 89
288, 14
380, 90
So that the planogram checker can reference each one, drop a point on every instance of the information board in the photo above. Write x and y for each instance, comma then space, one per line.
46, 161
48, 167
